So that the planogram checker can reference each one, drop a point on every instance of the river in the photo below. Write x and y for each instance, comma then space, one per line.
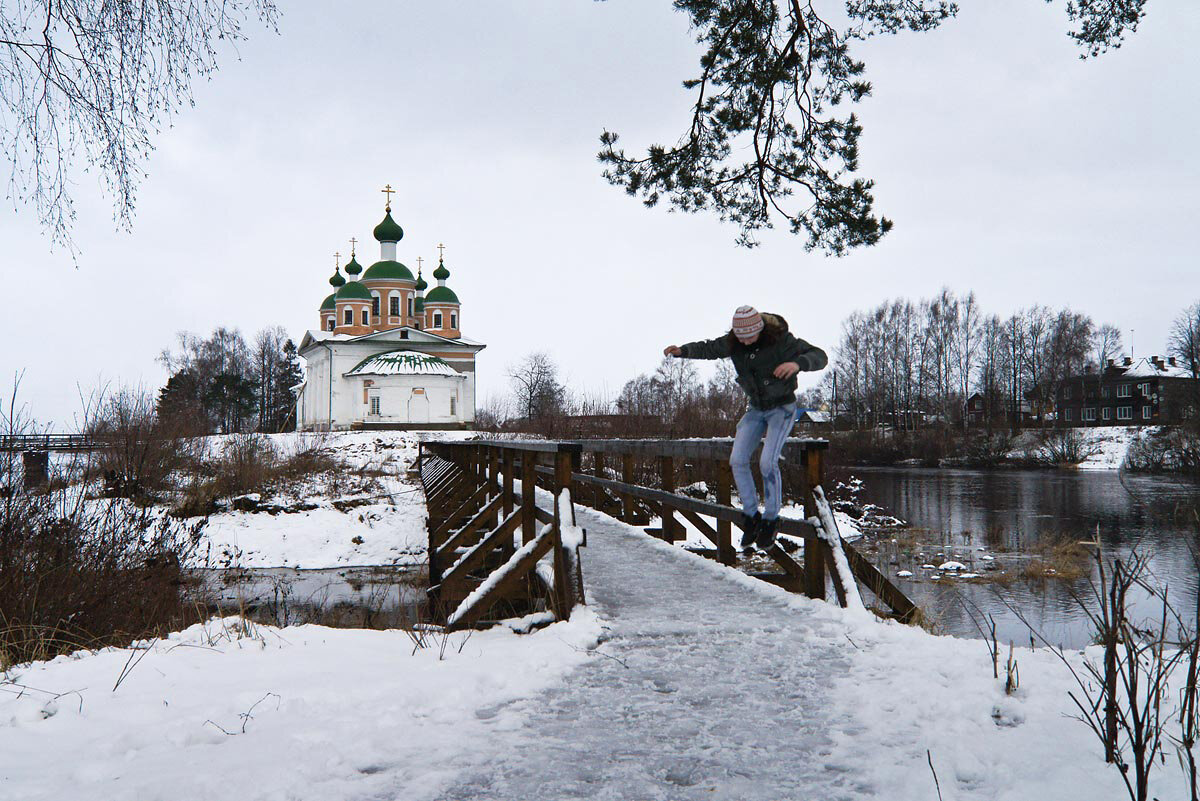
998, 517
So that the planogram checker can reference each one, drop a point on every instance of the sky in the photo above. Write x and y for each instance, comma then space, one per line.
1011, 168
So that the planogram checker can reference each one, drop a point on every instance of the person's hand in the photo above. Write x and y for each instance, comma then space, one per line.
674, 350
787, 370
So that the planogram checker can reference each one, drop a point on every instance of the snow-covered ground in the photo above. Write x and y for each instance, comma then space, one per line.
381, 526
1105, 447
712, 685
304, 712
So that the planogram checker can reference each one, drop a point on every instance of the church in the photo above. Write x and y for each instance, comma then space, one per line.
386, 354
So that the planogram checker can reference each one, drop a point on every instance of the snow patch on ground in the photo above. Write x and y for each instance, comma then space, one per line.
384, 528
299, 712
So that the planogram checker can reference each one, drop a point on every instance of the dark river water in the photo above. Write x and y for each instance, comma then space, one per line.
1009, 515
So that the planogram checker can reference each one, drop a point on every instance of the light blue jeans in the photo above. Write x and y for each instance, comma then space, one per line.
777, 424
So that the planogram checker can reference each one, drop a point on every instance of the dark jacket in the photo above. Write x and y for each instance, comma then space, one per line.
755, 364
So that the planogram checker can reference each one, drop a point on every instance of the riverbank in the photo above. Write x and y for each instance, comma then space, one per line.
1136, 448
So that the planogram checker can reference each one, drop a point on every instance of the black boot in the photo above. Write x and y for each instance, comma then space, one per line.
766, 533
750, 529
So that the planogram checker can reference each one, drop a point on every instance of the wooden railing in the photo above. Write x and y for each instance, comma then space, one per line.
46, 442
635, 481
486, 544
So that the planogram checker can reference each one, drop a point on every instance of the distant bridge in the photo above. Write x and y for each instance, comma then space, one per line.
48, 442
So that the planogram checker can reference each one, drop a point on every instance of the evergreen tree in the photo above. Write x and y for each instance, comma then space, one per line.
766, 138
287, 375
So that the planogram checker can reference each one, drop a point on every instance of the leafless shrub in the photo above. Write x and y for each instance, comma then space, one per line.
138, 453
1060, 447
1122, 698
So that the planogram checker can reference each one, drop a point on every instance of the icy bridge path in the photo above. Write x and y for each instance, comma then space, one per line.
713, 691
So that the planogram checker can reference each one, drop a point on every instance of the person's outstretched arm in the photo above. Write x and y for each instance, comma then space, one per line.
719, 348
807, 357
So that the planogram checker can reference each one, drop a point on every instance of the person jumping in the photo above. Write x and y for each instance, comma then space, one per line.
767, 358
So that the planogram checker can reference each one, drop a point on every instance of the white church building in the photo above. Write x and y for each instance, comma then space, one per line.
387, 355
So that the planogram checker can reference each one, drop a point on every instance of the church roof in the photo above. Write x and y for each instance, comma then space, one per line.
354, 291
388, 230
403, 362
329, 303
388, 271
441, 294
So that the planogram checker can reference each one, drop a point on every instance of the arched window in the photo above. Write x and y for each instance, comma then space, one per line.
437, 319
374, 305
349, 316
394, 305
411, 309
366, 320
454, 321
331, 323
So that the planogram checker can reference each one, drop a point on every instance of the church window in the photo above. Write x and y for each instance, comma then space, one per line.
411, 308
366, 320
349, 317
453, 320
394, 305
437, 319
331, 323
453, 406
375, 405
375, 306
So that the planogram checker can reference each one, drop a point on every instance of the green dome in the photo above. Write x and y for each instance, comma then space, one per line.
420, 305
328, 305
354, 291
421, 284
388, 230
441, 273
336, 280
353, 267
388, 271
440, 294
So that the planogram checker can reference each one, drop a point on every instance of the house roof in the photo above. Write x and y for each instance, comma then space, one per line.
1145, 368
415, 337
403, 362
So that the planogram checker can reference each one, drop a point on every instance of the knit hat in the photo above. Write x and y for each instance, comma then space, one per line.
747, 322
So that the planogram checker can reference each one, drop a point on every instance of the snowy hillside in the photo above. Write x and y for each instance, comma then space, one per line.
326, 522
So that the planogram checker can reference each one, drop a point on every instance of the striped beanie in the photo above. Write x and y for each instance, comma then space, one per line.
746, 322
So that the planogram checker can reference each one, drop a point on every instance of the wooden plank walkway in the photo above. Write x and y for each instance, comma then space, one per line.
709, 690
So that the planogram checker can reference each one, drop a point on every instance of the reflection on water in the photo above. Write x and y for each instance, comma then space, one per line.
1003, 513
354, 597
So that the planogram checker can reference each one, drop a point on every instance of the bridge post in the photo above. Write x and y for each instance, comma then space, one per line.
528, 495
598, 495
724, 528
36, 471
671, 528
627, 510
567, 579
814, 557
508, 461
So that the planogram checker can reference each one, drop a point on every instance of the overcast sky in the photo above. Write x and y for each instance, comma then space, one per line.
1010, 167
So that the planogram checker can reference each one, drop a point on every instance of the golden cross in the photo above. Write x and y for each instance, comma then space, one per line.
353, 242
387, 190
441, 251
419, 260
337, 261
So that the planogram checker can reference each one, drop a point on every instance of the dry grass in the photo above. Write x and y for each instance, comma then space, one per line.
1065, 560
250, 463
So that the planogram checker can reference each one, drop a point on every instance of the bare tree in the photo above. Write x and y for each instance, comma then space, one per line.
1108, 342
537, 391
1184, 340
94, 81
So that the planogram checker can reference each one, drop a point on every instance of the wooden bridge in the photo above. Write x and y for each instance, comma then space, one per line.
488, 545
47, 442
